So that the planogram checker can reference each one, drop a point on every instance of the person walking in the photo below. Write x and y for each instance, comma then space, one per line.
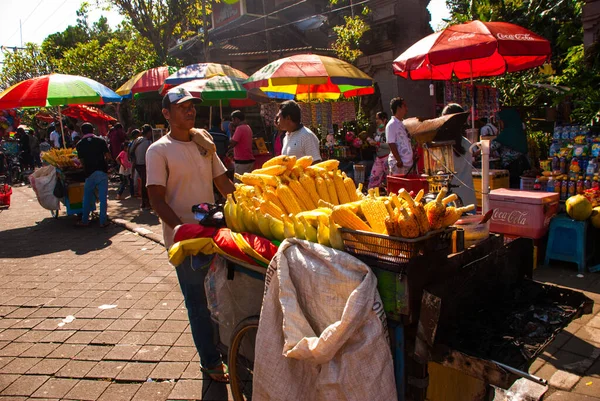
401, 154
299, 141
181, 173
116, 137
125, 172
93, 153
241, 143
382, 151
138, 154
34, 146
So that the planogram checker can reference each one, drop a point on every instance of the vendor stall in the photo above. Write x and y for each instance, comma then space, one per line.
414, 250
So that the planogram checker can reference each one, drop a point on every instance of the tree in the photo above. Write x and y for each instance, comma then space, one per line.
348, 35
159, 21
23, 64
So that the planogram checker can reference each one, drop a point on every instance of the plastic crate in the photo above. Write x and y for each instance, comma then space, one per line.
412, 183
394, 253
5, 193
527, 183
498, 179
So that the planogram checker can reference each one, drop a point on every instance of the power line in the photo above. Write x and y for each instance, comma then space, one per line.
297, 21
55, 11
30, 14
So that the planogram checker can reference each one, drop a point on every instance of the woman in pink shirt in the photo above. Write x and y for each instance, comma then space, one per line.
124, 171
241, 142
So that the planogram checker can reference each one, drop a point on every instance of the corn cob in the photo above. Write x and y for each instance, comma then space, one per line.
435, 210
388, 206
335, 237
419, 196
264, 225
323, 231
329, 165
391, 227
304, 162
298, 227
312, 215
303, 197
308, 183
271, 197
288, 199
296, 172
288, 227
453, 214
291, 163
322, 189
276, 227
314, 171
408, 224
417, 209
375, 212
310, 232
377, 194
350, 189
330, 186
340, 188
277, 161
348, 219
270, 208
273, 170
257, 179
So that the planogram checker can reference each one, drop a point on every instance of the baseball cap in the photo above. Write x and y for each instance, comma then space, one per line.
176, 96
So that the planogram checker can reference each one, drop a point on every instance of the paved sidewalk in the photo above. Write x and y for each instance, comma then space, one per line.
90, 313
50, 270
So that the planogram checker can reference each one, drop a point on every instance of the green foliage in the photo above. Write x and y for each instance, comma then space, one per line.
20, 65
348, 38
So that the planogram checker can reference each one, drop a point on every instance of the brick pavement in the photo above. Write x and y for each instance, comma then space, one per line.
50, 270
141, 349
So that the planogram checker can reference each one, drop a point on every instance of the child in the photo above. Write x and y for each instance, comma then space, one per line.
380, 166
124, 171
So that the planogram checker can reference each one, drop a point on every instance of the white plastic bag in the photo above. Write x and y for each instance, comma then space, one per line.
320, 336
43, 181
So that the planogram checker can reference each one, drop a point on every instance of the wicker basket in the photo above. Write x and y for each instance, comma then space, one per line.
394, 253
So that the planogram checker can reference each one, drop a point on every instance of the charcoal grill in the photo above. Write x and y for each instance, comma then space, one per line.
490, 310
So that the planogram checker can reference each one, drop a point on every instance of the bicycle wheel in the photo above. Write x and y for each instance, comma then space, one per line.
241, 358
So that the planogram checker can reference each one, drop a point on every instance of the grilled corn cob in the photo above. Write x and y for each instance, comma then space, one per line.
340, 188
408, 224
350, 189
322, 189
416, 208
333, 198
453, 214
303, 197
270, 196
270, 208
435, 210
308, 183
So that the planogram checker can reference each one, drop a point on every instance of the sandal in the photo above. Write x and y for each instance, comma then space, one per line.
219, 374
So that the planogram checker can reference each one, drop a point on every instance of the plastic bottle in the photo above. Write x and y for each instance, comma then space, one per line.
592, 167
563, 165
558, 185
551, 184
572, 188
537, 186
580, 186
564, 189
555, 163
587, 184
595, 182
574, 168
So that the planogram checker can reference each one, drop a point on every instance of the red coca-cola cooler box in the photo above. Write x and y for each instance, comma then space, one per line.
522, 213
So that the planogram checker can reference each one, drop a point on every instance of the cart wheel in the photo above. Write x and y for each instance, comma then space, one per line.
241, 358
54, 213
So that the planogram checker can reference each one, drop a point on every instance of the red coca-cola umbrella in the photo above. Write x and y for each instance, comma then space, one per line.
473, 49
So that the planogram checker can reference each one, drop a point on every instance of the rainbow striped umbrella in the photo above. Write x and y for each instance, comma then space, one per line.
311, 77
202, 71
146, 81
56, 90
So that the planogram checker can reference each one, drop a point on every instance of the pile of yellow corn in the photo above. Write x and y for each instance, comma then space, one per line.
293, 198
61, 158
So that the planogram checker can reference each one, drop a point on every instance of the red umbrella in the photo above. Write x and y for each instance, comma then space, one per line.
86, 113
473, 49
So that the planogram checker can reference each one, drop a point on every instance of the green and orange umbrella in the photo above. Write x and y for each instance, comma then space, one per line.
311, 77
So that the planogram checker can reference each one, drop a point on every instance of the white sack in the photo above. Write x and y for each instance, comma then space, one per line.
43, 181
319, 337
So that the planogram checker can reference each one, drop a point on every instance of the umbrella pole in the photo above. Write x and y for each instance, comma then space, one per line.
221, 110
485, 155
210, 118
62, 130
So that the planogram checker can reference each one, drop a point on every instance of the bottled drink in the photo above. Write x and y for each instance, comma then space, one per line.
595, 183
563, 165
587, 184
558, 185
537, 186
572, 188
564, 189
592, 167
555, 163
550, 184
579, 186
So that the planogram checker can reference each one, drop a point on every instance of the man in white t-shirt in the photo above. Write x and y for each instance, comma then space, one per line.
55, 136
73, 133
401, 155
299, 141
180, 174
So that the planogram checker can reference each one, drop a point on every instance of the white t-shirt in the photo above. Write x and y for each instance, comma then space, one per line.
395, 132
74, 134
187, 175
300, 143
55, 139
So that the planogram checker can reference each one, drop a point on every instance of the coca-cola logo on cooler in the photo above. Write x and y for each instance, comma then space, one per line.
517, 36
515, 217
459, 36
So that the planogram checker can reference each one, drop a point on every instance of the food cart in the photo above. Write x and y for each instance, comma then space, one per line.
473, 310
